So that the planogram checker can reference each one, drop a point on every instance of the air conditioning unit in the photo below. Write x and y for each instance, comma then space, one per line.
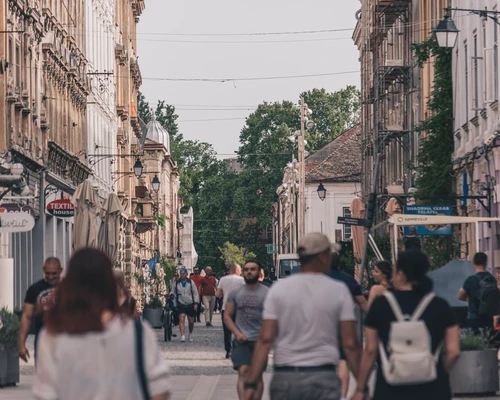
48, 38
395, 189
394, 63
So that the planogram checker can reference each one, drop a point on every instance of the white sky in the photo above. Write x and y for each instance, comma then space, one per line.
161, 57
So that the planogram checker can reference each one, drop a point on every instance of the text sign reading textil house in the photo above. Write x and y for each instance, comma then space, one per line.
61, 208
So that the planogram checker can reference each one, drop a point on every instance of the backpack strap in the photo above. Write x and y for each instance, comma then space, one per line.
422, 306
139, 355
394, 305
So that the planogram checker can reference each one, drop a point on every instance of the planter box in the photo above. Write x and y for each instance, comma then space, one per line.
9, 367
476, 372
153, 316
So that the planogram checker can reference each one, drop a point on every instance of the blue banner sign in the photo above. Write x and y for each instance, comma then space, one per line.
421, 230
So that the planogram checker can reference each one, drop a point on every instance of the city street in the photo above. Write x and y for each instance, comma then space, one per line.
199, 369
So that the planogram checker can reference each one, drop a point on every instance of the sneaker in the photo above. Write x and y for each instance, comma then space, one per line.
208, 324
228, 355
183, 338
190, 338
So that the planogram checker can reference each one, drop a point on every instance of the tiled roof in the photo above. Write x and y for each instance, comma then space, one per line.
338, 161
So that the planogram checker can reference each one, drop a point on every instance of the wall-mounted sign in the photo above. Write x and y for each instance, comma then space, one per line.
61, 208
17, 221
429, 229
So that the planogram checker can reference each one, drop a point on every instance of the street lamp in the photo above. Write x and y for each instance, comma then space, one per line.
138, 168
16, 169
155, 183
321, 192
446, 33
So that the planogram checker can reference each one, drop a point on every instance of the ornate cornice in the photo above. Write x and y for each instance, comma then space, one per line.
66, 165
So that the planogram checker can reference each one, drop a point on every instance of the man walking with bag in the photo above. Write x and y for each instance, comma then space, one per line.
188, 302
481, 292
304, 330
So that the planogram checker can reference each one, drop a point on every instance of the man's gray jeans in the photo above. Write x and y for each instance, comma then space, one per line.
323, 385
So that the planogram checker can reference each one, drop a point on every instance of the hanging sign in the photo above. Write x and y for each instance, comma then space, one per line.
16, 221
63, 208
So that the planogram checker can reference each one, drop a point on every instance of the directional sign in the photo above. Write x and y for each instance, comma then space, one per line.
352, 221
61, 208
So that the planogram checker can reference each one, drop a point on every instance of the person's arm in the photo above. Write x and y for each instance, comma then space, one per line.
367, 361
451, 346
156, 368
375, 291
24, 329
462, 295
362, 303
350, 345
196, 295
259, 359
219, 293
229, 322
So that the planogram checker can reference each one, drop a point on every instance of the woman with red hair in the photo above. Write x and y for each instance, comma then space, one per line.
90, 348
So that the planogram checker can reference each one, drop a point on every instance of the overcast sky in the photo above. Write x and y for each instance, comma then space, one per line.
162, 56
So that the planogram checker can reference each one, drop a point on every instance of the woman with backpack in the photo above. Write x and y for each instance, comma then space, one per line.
90, 348
407, 328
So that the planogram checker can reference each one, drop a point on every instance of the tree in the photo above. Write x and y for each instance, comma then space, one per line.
333, 114
233, 254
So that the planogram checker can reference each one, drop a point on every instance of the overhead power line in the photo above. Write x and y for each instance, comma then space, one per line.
249, 34
244, 42
211, 119
261, 78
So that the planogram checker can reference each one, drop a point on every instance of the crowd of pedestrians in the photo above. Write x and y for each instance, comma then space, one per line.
307, 320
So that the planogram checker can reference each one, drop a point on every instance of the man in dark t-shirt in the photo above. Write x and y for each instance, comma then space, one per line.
35, 303
470, 292
358, 298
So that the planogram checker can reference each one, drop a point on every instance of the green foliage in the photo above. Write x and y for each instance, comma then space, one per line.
470, 341
435, 167
162, 221
9, 329
235, 208
233, 254
435, 157
333, 114
169, 267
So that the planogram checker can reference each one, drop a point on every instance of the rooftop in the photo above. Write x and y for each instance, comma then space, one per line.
338, 161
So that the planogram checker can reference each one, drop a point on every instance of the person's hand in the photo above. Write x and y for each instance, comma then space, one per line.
241, 338
196, 307
24, 354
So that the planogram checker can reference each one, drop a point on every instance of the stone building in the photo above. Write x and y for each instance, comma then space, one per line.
394, 92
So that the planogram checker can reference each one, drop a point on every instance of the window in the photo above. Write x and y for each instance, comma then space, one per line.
466, 56
346, 212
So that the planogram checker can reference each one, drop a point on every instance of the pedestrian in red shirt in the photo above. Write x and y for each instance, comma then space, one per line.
208, 286
196, 278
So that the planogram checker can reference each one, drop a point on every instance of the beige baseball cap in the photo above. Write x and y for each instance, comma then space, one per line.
313, 243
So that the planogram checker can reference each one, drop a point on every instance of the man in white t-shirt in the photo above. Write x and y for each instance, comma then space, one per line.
303, 315
226, 285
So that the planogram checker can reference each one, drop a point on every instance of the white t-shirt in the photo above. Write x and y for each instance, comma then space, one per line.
308, 308
228, 283
98, 365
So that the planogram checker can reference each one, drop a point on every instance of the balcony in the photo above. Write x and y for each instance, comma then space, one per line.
144, 212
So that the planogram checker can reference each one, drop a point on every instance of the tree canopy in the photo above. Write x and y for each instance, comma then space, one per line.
234, 208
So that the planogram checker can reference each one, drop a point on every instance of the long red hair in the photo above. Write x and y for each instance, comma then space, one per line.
88, 289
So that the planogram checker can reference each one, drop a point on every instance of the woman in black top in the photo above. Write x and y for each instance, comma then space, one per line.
410, 285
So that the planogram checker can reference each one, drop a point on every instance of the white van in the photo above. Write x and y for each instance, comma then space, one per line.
287, 264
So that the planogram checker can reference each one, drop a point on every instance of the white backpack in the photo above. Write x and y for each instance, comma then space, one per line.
411, 361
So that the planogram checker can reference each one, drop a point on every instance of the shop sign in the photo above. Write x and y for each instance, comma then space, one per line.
19, 219
63, 208
431, 228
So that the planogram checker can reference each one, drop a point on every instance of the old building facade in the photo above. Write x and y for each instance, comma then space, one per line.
477, 123
394, 92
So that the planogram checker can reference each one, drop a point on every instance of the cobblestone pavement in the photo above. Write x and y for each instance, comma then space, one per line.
199, 368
